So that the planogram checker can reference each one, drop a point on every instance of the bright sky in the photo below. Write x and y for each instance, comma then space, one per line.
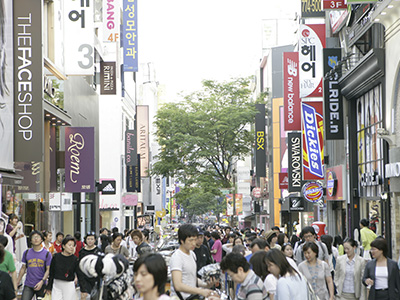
192, 40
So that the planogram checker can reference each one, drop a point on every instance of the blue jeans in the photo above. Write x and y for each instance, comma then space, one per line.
28, 293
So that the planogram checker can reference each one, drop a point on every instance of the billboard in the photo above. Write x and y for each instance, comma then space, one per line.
79, 160
78, 37
28, 81
295, 162
333, 102
142, 123
311, 43
6, 87
313, 144
260, 141
291, 91
129, 35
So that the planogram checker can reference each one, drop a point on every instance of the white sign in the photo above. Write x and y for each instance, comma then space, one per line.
66, 201
78, 37
111, 18
60, 201
392, 170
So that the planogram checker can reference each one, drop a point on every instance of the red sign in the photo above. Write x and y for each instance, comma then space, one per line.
283, 181
291, 91
334, 4
257, 192
311, 43
334, 183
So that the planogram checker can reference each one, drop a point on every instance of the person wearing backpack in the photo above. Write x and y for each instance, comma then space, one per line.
308, 235
36, 263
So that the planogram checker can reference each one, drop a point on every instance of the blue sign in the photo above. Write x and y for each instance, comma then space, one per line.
129, 36
312, 140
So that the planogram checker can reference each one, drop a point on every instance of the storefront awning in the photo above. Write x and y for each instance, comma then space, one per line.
10, 178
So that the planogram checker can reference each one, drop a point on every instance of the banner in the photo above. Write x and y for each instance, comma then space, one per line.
239, 204
313, 144
333, 102
108, 78
291, 91
79, 160
295, 162
311, 43
311, 9
130, 147
229, 204
260, 141
78, 37
111, 20
6, 88
142, 123
28, 81
129, 35
31, 173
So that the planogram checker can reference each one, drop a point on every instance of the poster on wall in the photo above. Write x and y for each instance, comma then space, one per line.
312, 138
6, 87
311, 43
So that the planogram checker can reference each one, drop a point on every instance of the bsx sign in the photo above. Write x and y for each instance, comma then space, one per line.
313, 191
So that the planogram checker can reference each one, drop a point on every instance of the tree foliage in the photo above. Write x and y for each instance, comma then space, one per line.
202, 137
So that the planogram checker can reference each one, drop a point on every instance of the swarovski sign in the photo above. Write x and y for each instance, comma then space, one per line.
295, 161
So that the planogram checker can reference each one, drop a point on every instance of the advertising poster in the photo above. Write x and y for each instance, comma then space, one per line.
313, 145
291, 91
311, 44
79, 160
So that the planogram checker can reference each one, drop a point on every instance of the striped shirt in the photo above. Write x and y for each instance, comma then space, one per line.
252, 288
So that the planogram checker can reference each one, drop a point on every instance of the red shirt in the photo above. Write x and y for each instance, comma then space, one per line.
57, 247
79, 246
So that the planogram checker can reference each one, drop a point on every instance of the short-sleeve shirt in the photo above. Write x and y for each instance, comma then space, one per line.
36, 263
143, 248
8, 264
316, 276
186, 263
121, 250
218, 255
6, 287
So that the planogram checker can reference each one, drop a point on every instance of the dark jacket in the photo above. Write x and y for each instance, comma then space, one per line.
394, 278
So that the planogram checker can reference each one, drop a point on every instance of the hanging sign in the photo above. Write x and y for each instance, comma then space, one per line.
313, 191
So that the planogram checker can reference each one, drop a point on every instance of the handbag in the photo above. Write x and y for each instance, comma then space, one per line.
311, 293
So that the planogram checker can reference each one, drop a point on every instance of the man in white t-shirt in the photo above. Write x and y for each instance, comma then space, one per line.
183, 265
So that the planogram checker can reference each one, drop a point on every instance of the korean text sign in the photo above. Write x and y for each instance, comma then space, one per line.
311, 44
79, 159
129, 36
291, 93
78, 37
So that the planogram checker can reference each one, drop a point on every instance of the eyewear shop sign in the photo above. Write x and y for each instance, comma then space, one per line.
79, 160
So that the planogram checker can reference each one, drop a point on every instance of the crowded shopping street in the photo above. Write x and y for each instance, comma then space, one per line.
199, 150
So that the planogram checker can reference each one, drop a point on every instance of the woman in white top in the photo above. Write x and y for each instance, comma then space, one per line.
381, 274
259, 265
150, 276
349, 272
290, 284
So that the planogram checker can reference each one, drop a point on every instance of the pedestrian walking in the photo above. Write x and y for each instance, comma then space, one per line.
216, 250
349, 272
317, 272
36, 263
291, 285
367, 236
381, 274
87, 284
151, 274
7, 290
309, 235
57, 243
203, 256
3, 225
259, 265
116, 247
12, 229
8, 265
141, 246
48, 236
79, 243
63, 269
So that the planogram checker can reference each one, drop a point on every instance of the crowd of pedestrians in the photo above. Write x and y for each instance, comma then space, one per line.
252, 264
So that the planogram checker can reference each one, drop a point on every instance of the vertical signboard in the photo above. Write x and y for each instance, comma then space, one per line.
291, 91
261, 159
295, 162
129, 35
312, 9
53, 159
108, 78
130, 147
111, 19
333, 102
78, 37
142, 122
311, 43
133, 179
6, 88
79, 159
313, 144
28, 81
31, 173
